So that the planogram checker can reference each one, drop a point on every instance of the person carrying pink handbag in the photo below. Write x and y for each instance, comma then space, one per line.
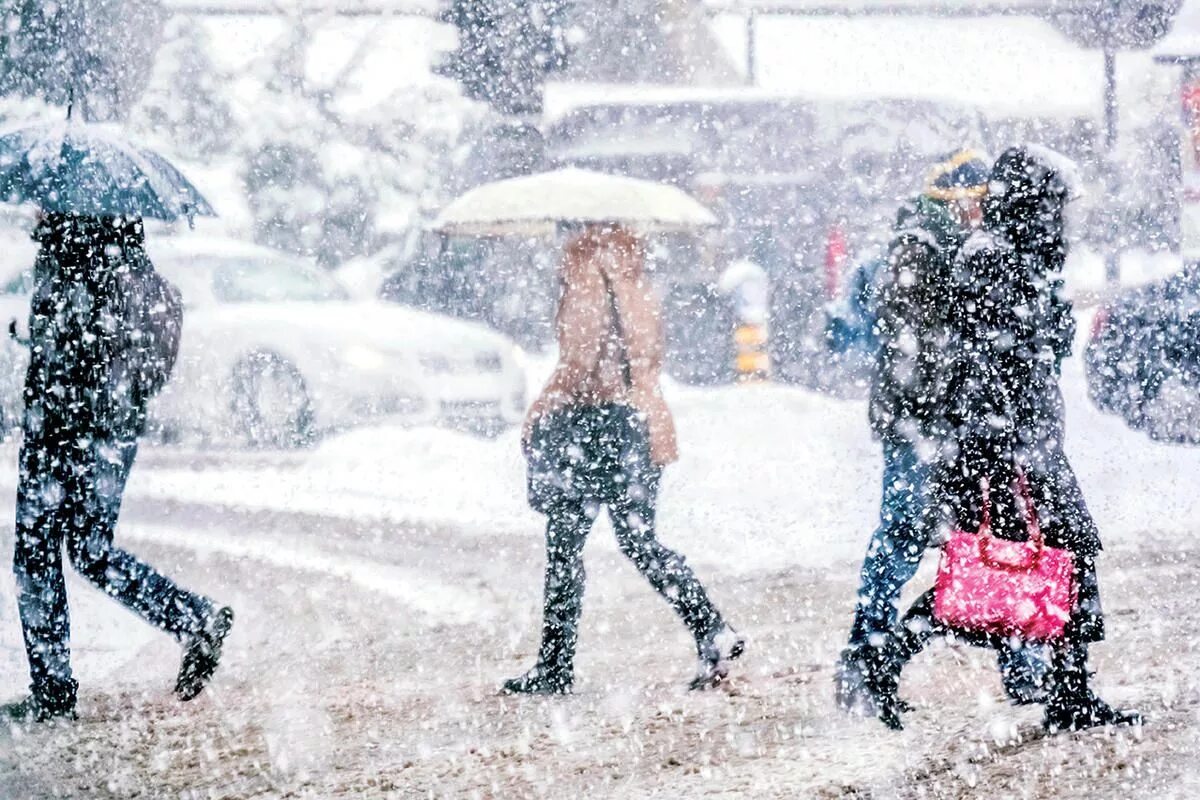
1007, 329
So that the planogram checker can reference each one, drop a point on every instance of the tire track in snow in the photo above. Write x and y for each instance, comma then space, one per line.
437, 600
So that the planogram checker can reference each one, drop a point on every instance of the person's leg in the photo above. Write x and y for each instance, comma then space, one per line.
41, 590
896, 547
567, 526
1024, 670
633, 520
1071, 704
893, 556
117, 573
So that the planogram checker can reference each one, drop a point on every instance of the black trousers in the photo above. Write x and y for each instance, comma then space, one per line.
632, 516
70, 494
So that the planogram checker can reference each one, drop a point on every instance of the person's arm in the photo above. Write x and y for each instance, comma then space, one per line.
580, 332
641, 328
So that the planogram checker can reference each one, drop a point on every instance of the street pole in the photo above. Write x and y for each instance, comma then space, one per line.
1112, 256
751, 43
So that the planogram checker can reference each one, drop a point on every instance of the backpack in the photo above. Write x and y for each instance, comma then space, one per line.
151, 325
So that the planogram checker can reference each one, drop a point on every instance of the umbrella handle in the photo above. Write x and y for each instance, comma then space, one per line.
16, 337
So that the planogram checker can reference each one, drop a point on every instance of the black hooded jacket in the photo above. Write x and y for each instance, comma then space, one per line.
1009, 327
79, 382
1008, 330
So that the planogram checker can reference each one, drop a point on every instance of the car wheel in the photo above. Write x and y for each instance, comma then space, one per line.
1172, 412
271, 406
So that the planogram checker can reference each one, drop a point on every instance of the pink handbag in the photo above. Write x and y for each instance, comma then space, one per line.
990, 585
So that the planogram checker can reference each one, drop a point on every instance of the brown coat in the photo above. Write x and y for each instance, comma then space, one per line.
602, 271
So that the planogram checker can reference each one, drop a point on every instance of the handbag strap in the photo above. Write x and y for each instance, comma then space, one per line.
619, 330
1032, 525
985, 525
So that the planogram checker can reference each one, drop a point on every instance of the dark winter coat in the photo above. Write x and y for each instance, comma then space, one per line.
1007, 330
904, 402
95, 360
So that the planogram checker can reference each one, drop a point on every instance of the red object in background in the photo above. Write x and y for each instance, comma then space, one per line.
1191, 116
837, 251
1100, 321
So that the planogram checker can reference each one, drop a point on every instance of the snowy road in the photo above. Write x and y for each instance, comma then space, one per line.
388, 581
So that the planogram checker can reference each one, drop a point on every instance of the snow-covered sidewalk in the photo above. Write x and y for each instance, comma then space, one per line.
387, 581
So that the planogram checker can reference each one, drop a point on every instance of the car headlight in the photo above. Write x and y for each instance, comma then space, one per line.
435, 362
489, 362
364, 358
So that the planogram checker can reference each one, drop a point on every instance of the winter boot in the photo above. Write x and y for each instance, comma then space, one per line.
716, 650
554, 672
202, 653
1072, 706
541, 679
49, 701
866, 682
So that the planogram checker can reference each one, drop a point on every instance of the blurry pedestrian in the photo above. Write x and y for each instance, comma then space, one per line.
901, 304
600, 434
104, 332
1008, 330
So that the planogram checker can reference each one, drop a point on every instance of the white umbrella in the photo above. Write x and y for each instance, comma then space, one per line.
533, 205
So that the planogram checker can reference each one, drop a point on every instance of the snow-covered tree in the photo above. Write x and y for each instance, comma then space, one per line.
184, 102
96, 53
329, 179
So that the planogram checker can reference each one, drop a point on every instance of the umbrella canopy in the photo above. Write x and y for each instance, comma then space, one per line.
77, 168
535, 204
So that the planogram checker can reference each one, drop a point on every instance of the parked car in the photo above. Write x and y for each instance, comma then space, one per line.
1143, 359
275, 351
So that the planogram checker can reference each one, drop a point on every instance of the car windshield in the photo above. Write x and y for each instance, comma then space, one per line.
273, 282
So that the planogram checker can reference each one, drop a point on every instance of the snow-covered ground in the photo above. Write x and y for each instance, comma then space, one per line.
389, 579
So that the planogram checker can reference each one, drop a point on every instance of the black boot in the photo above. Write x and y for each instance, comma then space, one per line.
542, 679
851, 682
554, 672
867, 681
202, 653
48, 701
1072, 706
716, 649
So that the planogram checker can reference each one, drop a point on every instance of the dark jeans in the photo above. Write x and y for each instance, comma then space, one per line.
70, 493
614, 471
894, 554
896, 546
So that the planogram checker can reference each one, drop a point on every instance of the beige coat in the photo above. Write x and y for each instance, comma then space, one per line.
589, 371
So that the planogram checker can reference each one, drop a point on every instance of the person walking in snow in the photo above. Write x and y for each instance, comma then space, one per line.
104, 331
902, 304
1007, 331
600, 434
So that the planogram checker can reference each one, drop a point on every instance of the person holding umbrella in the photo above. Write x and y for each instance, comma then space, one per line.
104, 333
600, 433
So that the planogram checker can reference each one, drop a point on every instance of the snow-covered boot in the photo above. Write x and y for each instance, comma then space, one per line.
202, 653
866, 682
48, 701
716, 650
542, 679
554, 672
1072, 705
851, 682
